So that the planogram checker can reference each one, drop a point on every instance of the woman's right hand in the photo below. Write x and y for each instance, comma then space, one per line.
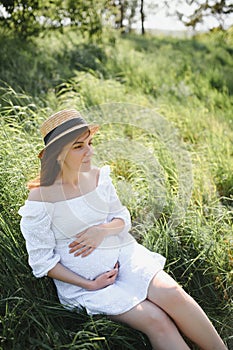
105, 279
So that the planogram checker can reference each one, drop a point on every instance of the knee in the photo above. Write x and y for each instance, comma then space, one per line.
157, 323
175, 296
169, 297
165, 291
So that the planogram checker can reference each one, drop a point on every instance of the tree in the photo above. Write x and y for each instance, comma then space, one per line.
148, 8
142, 16
219, 9
86, 15
124, 13
29, 17
20, 15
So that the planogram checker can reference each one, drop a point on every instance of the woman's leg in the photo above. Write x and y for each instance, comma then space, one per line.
186, 313
156, 324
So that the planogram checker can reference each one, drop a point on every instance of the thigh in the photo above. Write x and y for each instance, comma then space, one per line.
165, 292
156, 324
163, 280
142, 316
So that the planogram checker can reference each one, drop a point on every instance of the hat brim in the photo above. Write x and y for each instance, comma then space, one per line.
92, 128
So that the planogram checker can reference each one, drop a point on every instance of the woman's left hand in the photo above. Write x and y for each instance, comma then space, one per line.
87, 241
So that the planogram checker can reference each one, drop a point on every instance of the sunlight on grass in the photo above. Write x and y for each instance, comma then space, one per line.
177, 168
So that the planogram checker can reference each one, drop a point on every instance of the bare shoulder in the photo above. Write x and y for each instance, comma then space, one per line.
35, 194
40, 194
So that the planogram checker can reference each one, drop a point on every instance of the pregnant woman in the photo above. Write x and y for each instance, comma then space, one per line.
77, 233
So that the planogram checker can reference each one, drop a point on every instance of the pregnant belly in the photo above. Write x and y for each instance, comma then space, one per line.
101, 260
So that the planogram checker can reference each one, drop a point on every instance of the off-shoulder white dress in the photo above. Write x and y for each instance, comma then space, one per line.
48, 228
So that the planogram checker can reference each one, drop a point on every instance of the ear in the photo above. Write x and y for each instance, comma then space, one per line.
59, 157
59, 160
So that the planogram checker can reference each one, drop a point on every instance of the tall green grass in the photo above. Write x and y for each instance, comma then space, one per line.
187, 82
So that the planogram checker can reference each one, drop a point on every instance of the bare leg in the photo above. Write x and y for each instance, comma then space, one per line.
156, 324
186, 313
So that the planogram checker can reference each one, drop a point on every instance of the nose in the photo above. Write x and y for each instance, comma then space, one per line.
89, 150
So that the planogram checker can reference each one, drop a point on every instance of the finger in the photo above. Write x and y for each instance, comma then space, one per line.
76, 247
88, 252
72, 244
117, 265
80, 233
111, 280
80, 241
112, 273
81, 251
84, 251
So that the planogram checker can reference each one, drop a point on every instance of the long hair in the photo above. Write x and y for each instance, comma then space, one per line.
50, 167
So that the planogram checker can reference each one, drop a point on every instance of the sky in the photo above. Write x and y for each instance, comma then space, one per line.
162, 21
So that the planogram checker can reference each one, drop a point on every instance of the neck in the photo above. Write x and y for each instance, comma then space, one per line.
69, 178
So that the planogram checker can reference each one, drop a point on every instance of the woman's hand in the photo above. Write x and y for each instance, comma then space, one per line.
105, 279
87, 241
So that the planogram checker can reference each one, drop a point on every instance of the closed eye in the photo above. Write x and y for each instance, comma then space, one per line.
79, 145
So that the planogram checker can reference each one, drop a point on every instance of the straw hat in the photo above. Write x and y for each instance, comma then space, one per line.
62, 123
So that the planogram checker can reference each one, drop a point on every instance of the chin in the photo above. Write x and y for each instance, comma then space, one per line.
85, 167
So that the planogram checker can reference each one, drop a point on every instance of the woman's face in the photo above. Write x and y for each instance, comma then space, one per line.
76, 155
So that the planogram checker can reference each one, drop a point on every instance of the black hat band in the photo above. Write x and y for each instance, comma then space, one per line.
64, 127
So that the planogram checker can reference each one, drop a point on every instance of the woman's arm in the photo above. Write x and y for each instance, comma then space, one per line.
61, 273
113, 227
91, 238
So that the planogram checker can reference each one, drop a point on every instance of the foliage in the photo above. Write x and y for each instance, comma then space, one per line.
21, 16
29, 18
124, 12
217, 9
185, 80
89, 17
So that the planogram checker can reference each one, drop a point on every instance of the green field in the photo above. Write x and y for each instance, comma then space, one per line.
164, 106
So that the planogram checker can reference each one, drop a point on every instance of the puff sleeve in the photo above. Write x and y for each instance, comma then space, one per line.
116, 209
35, 226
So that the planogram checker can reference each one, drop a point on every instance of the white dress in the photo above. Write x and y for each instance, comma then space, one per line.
48, 228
